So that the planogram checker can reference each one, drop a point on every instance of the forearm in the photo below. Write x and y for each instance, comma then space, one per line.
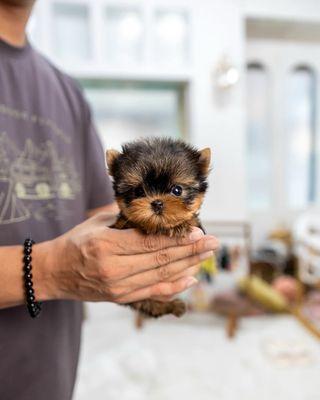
44, 270
11, 267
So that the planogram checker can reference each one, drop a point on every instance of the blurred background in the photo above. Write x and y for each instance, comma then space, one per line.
240, 76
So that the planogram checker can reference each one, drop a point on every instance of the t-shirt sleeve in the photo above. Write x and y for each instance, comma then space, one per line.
98, 186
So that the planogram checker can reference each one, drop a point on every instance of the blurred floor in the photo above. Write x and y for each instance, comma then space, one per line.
192, 359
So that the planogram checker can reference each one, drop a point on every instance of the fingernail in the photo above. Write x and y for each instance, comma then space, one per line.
191, 281
205, 256
210, 244
196, 235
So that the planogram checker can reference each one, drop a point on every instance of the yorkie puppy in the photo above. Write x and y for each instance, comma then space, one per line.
159, 186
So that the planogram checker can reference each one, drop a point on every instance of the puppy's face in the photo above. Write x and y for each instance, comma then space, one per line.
159, 183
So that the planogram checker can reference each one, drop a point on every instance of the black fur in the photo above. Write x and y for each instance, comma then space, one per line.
157, 161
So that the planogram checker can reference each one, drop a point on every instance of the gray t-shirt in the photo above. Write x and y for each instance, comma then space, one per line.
51, 172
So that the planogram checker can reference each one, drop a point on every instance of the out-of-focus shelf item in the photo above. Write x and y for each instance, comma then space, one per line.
235, 236
307, 248
274, 256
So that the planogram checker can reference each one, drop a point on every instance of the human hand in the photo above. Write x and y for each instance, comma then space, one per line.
97, 263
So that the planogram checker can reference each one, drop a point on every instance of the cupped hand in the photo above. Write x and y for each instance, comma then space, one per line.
96, 263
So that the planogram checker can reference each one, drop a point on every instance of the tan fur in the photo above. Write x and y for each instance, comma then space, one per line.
175, 211
111, 155
205, 158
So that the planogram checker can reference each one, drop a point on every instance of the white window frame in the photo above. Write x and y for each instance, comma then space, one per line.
98, 67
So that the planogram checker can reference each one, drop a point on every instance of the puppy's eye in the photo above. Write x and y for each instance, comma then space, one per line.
176, 190
139, 192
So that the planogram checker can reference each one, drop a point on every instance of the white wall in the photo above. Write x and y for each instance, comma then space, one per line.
218, 31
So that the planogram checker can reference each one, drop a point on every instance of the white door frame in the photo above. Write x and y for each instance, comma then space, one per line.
279, 57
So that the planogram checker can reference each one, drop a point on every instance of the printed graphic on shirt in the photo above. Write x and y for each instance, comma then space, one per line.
34, 119
35, 181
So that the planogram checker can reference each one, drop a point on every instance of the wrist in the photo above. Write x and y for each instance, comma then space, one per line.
44, 266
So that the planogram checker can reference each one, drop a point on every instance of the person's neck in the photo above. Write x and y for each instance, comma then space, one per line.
13, 21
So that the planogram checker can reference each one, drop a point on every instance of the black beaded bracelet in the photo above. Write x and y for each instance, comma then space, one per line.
33, 306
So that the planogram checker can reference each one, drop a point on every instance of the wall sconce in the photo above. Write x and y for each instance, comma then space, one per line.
226, 75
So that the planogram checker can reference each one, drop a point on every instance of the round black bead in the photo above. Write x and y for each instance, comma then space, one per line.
30, 292
28, 242
32, 312
27, 251
28, 284
27, 267
31, 299
27, 259
32, 305
28, 276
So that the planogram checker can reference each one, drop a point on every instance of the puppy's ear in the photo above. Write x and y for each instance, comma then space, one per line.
204, 160
111, 156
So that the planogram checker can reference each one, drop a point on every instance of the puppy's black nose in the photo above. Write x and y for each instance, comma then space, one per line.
157, 206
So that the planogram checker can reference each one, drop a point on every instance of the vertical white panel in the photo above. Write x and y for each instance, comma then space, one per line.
299, 131
259, 139
123, 35
71, 32
171, 37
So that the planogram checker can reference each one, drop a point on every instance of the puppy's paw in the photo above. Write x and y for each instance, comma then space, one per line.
178, 307
156, 309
